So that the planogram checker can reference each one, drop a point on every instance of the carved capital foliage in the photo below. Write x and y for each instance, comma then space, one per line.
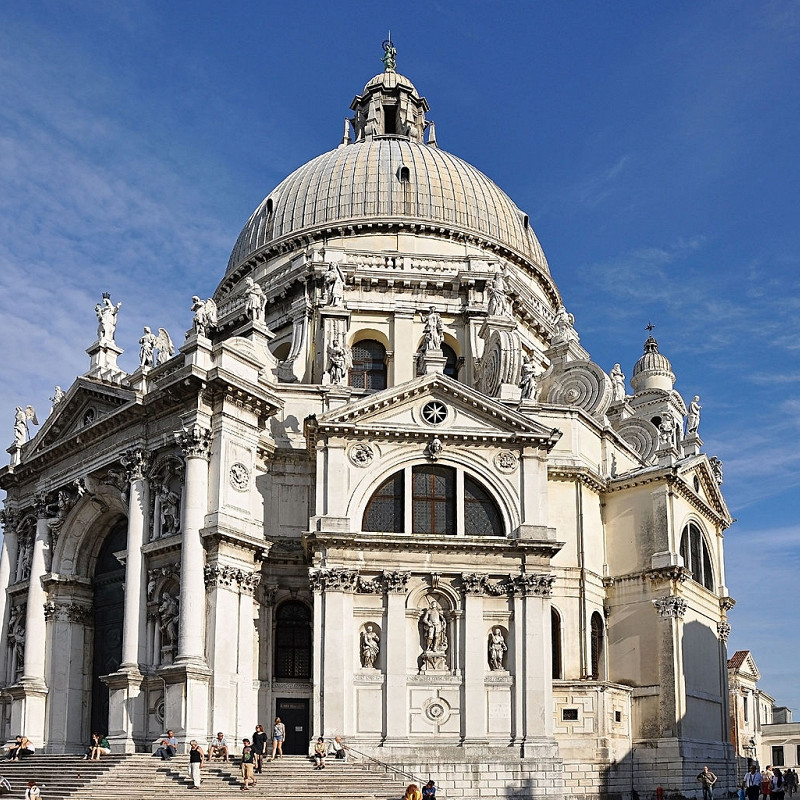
9, 519
670, 573
394, 581
723, 630
670, 606
231, 578
474, 583
195, 441
531, 584
349, 580
68, 612
136, 462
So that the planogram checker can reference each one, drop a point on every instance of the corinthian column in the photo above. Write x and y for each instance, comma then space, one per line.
196, 445
8, 562
135, 462
34, 620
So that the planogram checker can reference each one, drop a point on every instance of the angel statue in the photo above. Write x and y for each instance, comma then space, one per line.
21, 417
165, 349
147, 345
256, 300
205, 315
106, 313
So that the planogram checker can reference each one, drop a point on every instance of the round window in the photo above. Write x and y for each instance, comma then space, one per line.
434, 413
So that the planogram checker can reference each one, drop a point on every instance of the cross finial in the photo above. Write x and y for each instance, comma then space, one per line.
649, 327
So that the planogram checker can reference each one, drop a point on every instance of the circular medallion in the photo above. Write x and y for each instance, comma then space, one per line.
437, 710
240, 476
506, 461
434, 413
361, 455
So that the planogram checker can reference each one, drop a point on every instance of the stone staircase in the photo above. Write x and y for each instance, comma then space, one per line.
141, 777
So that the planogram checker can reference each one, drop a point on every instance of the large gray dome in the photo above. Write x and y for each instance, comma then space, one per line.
388, 179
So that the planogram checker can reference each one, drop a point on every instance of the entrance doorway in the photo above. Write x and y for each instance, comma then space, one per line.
294, 715
109, 610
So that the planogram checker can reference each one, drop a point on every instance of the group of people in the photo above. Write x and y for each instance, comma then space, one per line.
22, 747
770, 783
321, 750
427, 792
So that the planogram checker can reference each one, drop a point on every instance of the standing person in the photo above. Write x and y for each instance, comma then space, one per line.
429, 791
778, 785
319, 754
707, 780
196, 760
247, 764
766, 781
278, 735
259, 747
169, 746
32, 792
752, 783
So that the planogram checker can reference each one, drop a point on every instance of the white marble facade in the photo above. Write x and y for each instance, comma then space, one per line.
383, 491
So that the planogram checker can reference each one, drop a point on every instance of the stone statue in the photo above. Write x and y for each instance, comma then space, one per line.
334, 286
58, 396
168, 512
434, 624
564, 326
497, 647
338, 362
389, 56
716, 469
205, 315
666, 431
165, 349
370, 647
527, 381
21, 417
693, 417
24, 560
499, 305
16, 639
434, 448
168, 619
433, 331
107, 319
256, 300
617, 384
147, 346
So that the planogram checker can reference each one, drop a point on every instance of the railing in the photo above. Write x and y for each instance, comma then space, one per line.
401, 772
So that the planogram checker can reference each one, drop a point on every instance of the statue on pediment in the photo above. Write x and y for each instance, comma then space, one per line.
693, 417
433, 332
617, 384
205, 315
147, 346
499, 305
21, 418
106, 313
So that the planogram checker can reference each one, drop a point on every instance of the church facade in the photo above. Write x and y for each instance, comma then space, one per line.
381, 490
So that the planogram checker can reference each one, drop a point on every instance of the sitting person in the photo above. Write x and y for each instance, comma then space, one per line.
168, 748
412, 792
319, 754
338, 750
218, 748
22, 747
32, 792
100, 745
429, 791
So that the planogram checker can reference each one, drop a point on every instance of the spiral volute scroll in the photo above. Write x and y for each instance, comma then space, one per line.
501, 362
581, 384
641, 435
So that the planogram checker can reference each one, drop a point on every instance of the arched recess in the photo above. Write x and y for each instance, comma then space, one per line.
597, 647
696, 555
555, 638
293, 638
109, 605
369, 369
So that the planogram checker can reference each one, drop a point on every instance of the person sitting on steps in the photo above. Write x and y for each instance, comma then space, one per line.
219, 748
319, 754
22, 747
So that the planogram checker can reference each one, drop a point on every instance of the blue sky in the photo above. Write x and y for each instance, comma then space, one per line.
654, 146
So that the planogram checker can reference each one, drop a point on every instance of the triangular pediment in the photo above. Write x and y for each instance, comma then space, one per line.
743, 663
87, 403
699, 478
406, 410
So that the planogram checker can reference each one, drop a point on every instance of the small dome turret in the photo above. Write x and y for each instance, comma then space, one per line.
652, 370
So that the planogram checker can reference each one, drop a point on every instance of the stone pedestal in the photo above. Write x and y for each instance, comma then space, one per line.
692, 444
125, 709
666, 456
186, 701
103, 362
28, 701
432, 361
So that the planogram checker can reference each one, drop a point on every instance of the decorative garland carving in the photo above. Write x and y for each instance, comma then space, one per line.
526, 585
349, 580
231, 577
670, 607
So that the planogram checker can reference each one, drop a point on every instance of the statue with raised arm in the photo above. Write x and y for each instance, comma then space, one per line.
693, 417
617, 384
147, 345
499, 305
334, 286
389, 56
497, 646
370, 647
256, 300
165, 349
527, 381
433, 331
106, 313
21, 418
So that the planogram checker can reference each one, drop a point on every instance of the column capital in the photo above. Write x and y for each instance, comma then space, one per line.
69, 612
136, 462
195, 441
723, 630
531, 584
474, 583
9, 519
41, 506
230, 577
670, 606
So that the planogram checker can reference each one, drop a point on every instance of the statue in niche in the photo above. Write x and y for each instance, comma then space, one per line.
693, 417
170, 519
434, 626
25, 558
16, 639
256, 300
147, 346
334, 286
527, 382
497, 648
499, 305
433, 332
205, 315
370, 647
168, 619
617, 384
21, 418
338, 361
106, 313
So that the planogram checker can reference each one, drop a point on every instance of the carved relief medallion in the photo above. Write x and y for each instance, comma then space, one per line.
240, 476
506, 462
361, 455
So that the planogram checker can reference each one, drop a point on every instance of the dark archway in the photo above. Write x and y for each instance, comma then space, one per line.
109, 607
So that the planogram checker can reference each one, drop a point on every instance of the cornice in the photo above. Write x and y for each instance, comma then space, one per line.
584, 475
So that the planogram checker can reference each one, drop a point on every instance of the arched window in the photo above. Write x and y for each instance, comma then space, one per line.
451, 365
293, 640
555, 636
436, 506
696, 556
369, 365
597, 634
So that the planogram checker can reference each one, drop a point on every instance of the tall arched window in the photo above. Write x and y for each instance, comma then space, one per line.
597, 634
293, 640
436, 507
369, 365
555, 637
696, 556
